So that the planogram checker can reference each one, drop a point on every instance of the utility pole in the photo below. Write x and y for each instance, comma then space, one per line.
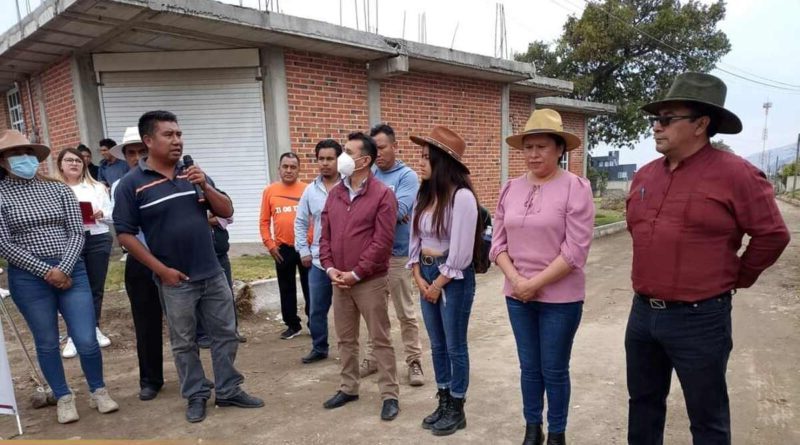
767, 105
796, 166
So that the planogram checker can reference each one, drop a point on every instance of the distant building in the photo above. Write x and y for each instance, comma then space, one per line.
610, 164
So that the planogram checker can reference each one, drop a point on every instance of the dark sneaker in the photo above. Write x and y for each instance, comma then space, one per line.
290, 333
148, 393
196, 410
242, 400
314, 356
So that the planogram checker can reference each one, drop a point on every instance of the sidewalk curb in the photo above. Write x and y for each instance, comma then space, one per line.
609, 229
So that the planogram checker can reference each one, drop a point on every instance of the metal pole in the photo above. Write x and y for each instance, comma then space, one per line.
19, 16
796, 166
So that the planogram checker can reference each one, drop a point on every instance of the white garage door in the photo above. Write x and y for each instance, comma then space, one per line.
221, 113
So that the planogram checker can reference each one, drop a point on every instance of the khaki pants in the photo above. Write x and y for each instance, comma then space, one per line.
367, 299
401, 289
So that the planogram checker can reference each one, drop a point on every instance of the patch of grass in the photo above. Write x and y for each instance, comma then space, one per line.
249, 268
115, 280
603, 217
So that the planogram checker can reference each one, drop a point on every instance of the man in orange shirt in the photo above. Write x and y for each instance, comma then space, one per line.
278, 210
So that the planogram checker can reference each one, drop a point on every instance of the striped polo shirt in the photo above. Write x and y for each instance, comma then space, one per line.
173, 222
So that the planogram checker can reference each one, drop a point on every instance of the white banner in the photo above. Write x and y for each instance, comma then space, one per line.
8, 403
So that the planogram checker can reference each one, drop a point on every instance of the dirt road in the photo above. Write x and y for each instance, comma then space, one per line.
764, 372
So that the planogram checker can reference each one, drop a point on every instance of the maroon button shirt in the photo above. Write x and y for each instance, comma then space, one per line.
687, 226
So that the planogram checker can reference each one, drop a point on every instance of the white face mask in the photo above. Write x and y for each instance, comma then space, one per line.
346, 164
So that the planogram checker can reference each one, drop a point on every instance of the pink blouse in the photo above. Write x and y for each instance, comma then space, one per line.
535, 224
459, 240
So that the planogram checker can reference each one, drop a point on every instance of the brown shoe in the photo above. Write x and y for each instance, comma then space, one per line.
368, 367
415, 376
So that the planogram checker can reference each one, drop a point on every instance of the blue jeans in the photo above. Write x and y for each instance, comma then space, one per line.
446, 322
209, 300
40, 304
696, 341
544, 333
321, 290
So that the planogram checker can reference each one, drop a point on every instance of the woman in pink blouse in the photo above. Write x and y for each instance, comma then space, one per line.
443, 237
542, 232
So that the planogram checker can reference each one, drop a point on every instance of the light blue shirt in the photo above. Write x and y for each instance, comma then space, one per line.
403, 181
309, 211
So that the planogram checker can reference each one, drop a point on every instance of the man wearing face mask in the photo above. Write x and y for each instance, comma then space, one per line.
355, 247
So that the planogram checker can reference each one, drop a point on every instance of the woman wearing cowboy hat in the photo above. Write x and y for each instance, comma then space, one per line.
41, 236
543, 228
74, 171
443, 238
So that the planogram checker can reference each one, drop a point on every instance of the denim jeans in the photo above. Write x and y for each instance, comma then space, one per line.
40, 304
96, 254
225, 262
211, 301
544, 333
446, 322
695, 340
321, 290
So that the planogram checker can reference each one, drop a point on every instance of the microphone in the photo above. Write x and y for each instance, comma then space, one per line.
201, 196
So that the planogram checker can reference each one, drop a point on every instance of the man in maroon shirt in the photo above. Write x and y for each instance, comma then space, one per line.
354, 248
687, 213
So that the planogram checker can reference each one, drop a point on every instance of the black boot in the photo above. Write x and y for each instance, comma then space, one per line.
556, 439
453, 419
444, 399
533, 434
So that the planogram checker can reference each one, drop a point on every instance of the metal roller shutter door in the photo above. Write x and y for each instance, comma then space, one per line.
221, 113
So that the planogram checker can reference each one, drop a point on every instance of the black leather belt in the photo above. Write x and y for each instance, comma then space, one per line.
656, 303
429, 260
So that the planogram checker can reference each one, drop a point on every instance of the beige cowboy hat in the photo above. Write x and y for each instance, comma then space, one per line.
544, 121
14, 139
131, 137
446, 140
704, 89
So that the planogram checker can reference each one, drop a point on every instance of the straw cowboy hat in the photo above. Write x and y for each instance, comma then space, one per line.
447, 140
131, 137
703, 89
14, 139
545, 121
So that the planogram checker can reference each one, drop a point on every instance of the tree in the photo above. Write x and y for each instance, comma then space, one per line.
627, 52
788, 170
720, 144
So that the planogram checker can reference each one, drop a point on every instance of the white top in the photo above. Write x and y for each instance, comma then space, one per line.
97, 194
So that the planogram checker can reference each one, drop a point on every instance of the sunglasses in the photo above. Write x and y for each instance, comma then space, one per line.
665, 121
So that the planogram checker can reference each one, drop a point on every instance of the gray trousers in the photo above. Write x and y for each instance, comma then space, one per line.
211, 301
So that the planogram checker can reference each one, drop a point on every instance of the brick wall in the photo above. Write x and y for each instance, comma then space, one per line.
327, 99
519, 112
62, 122
575, 123
5, 119
414, 103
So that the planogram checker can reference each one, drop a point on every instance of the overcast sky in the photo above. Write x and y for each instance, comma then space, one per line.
762, 35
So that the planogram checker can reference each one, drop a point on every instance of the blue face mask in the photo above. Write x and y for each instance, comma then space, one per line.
24, 166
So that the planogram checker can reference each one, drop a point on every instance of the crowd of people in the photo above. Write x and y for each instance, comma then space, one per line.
369, 230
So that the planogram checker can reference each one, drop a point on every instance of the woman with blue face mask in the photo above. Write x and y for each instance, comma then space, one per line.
41, 236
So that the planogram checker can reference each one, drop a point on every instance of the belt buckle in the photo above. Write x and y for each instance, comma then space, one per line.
426, 260
657, 304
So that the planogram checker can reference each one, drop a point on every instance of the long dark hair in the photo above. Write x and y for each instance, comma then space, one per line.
437, 192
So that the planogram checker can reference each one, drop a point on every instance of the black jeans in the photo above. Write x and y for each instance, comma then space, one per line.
695, 340
147, 322
287, 285
96, 254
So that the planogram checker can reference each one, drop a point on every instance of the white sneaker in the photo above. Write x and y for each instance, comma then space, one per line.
67, 412
102, 401
102, 339
69, 350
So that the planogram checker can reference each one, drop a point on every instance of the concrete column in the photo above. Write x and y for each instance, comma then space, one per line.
374, 101
276, 106
505, 130
586, 146
44, 129
87, 101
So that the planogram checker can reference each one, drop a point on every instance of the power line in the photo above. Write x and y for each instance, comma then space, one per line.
792, 88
